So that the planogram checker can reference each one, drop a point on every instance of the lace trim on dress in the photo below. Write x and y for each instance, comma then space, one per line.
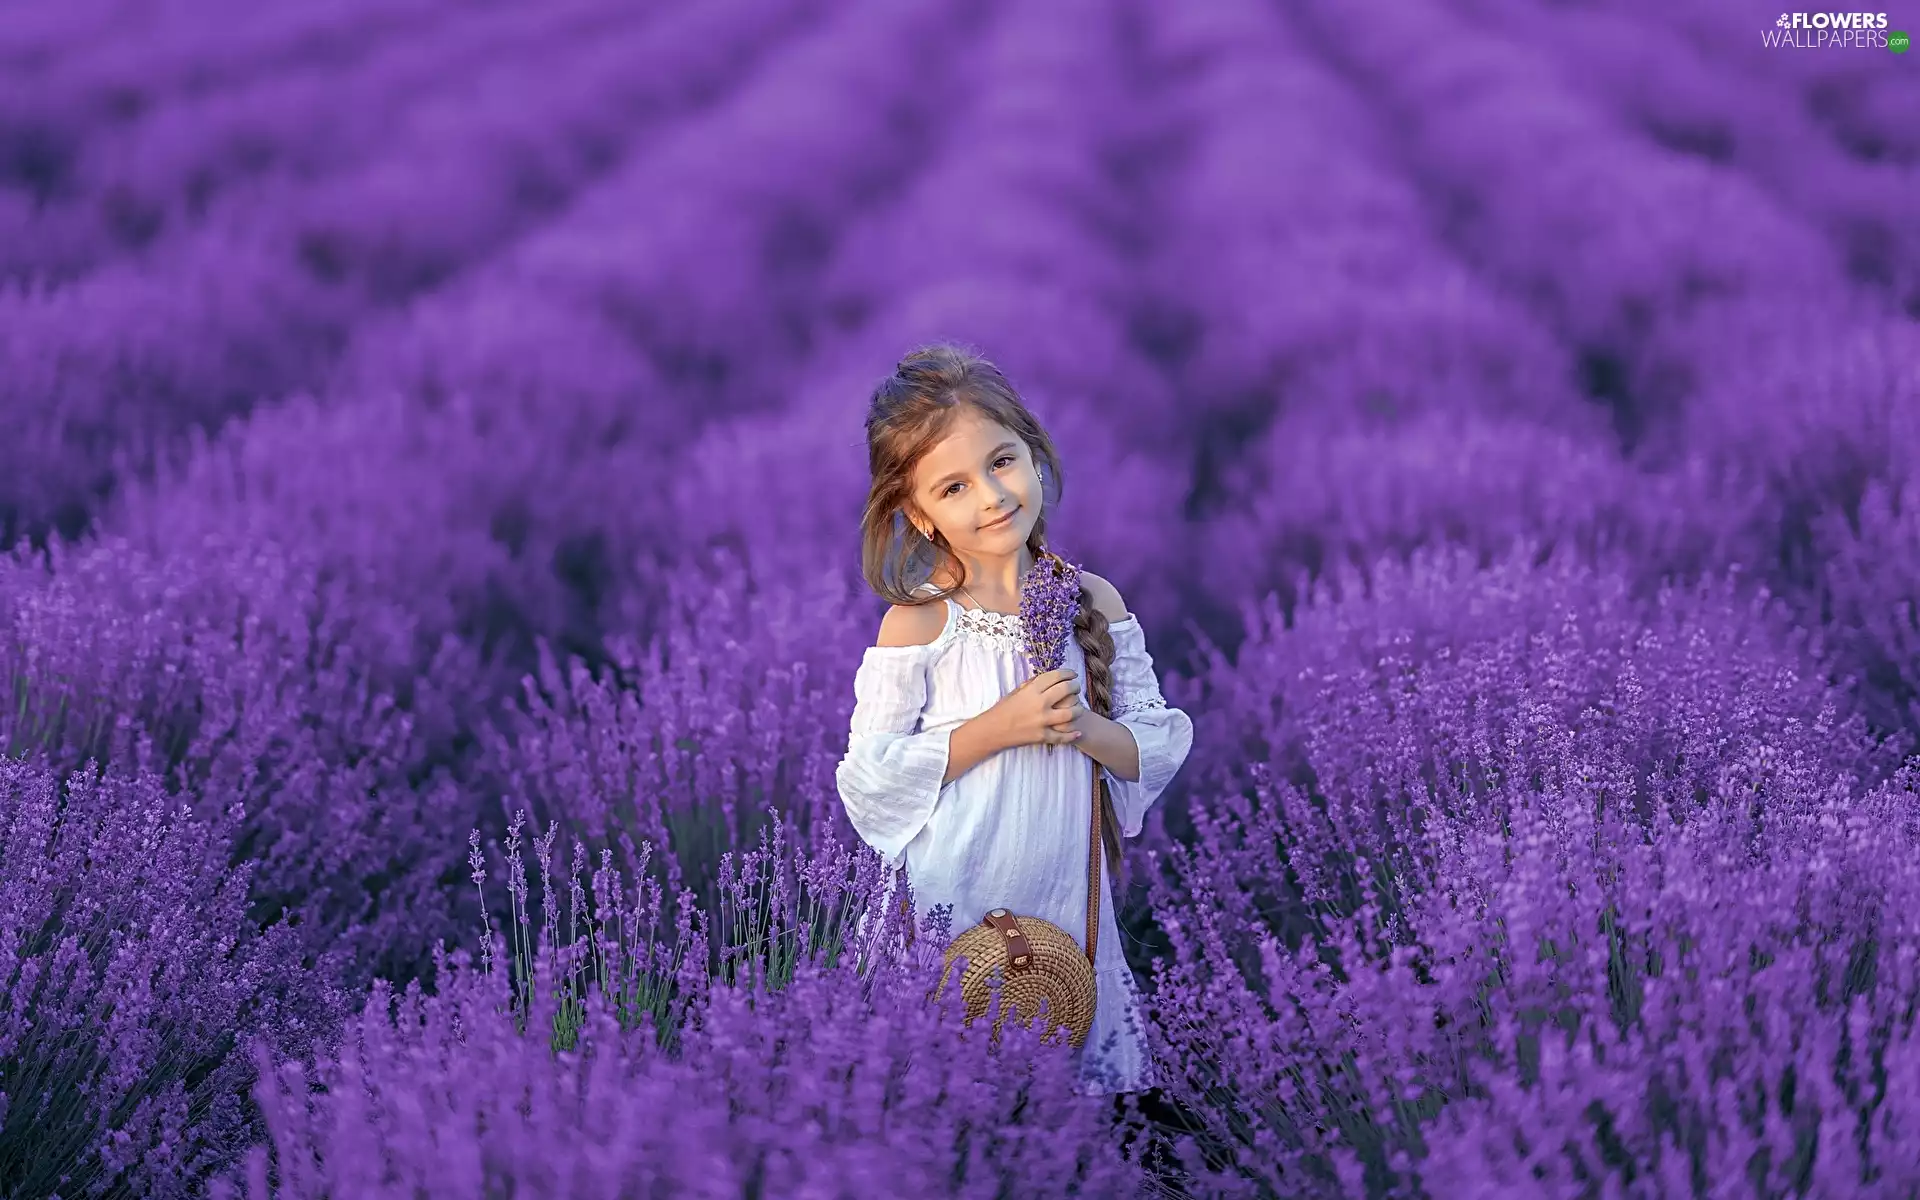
1008, 632
1003, 630
1144, 702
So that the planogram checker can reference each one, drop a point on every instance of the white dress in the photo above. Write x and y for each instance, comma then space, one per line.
1011, 831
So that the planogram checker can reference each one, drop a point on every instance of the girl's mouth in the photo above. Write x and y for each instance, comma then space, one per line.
1003, 522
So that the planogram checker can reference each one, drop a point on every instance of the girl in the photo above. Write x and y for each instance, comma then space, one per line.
947, 767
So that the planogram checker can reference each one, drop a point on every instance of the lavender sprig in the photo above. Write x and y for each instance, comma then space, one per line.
1049, 600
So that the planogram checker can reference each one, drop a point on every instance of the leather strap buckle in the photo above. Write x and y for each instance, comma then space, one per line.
1019, 953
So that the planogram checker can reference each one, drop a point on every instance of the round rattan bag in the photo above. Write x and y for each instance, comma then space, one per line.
1034, 958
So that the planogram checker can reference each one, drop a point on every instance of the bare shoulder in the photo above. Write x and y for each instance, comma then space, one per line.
1106, 597
911, 624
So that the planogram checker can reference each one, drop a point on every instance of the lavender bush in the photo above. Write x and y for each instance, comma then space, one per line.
233, 677
134, 982
794, 1071
678, 746
1532, 862
418, 419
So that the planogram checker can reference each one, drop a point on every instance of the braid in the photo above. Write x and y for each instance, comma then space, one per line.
1096, 646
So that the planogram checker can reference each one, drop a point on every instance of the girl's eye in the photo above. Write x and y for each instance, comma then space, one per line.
1004, 458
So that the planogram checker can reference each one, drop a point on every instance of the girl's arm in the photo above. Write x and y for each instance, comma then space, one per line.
973, 741
1107, 742
1146, 741
908, 625
892, 774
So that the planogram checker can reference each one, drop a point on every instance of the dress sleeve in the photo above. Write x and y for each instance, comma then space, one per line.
892, 773
1163, 734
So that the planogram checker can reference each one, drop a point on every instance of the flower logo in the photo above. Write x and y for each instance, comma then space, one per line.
1784, 21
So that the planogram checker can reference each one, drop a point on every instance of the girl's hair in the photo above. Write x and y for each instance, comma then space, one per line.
911, 410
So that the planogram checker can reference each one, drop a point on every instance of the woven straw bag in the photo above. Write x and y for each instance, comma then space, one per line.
1034, 957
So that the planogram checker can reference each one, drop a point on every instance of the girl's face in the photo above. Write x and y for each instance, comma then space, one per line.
978, 486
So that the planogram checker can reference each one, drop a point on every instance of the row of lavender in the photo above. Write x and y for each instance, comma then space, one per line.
523, 443
1566, 862
234, 244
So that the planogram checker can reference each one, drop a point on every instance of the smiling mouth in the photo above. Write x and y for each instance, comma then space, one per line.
1002, 522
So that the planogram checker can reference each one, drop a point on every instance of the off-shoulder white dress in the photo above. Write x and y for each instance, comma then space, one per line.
1011, 831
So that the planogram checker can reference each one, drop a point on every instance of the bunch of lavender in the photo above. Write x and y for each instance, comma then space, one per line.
1049, 599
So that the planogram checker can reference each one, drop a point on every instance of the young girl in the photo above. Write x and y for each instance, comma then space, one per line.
947, 766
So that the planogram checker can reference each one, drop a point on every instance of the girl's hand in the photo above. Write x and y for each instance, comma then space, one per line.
1041, 710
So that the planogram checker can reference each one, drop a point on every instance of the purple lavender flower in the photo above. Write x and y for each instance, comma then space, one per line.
1049, 598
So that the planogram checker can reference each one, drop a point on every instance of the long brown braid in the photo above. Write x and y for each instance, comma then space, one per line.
1090, 630
910, 411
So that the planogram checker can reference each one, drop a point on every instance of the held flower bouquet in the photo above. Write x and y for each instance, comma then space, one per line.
1049, 600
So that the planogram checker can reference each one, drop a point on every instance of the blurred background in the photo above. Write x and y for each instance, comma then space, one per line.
415, 412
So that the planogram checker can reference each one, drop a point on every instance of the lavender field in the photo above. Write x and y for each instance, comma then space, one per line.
431, 463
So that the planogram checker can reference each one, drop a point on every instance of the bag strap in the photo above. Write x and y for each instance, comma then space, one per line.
1093, 870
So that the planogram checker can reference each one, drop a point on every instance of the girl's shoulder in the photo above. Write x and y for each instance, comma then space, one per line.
905, 628
1106, 597
911, 625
